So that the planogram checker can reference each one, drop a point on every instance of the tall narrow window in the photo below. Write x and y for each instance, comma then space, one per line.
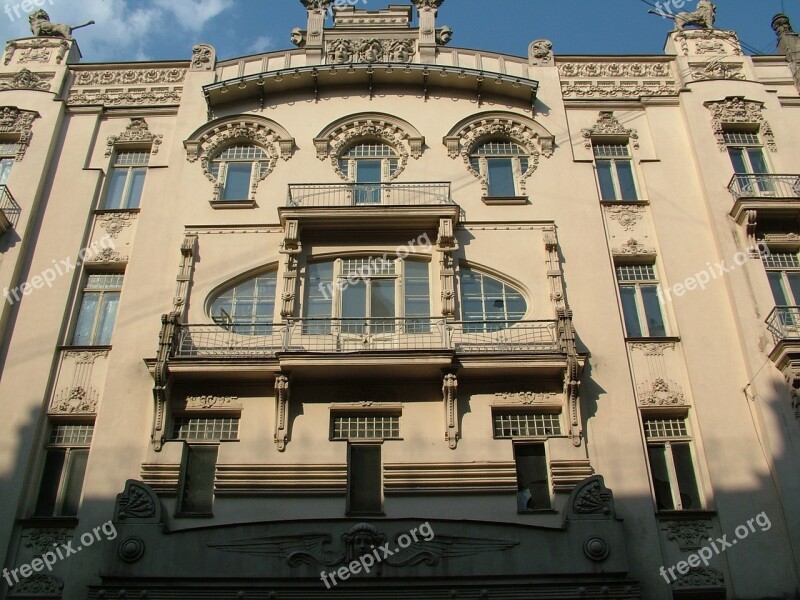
197, 479
364, 479
67, 452
489, 303
368, 164
615, 172
533, 485
126, 181
8, 153
502, 163
783, 274
671, 464
98, 309
749, 163
236, 170
248, 307
641, 301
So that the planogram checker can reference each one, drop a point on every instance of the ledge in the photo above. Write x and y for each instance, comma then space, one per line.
504, 200
223, 204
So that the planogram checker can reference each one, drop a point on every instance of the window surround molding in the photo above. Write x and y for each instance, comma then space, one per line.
16, 124
476, 129
137, 135
343, 133
211, 139
608, 128
735, 110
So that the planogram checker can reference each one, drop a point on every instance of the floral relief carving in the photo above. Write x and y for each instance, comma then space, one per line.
129, 77
700, 577
530, 397
717, 70
79, 396
608, 125
38, 585
38, 50
735, 109
626, 216
114, 222
369, 50
632, 247
136, 132
619, 89
661, 392
18, 122
210, 401
123, 97
654, 348
689, 534
614, 70
27, 80
708, 41
108, 255
42, 539
540, 53
204, 57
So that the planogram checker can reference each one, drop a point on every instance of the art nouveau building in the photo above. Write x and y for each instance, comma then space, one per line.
529, 323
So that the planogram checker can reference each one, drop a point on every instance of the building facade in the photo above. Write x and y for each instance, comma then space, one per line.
382, 317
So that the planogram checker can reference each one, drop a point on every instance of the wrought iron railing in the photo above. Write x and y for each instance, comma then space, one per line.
365, 335
764, 186
9, 206
368, 194
784, 323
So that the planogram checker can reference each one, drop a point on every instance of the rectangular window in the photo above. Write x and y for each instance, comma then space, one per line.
67, 453
194, 428
98, 310
671, 464
5, 169
641, 302
364, 479
783, 273
526, 424
197, 479
417, 297
533, 486
366, 426
126, 180
237, 181
615, 172
501, 177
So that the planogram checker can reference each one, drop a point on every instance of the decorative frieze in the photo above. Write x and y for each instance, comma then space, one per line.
370, 50
618, 89
737, 110
41, 539
660, 392
633, 247
27, 80
38, 586
212, 402
616, 79
137, 132
125, 96
128, 77
708, 41
528, 398
588, 70
701, 577
608, 125
39, 50
716, 70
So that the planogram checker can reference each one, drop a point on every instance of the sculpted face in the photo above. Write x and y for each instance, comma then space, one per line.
297, 36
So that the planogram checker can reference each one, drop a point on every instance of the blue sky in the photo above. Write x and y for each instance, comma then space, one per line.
167, 29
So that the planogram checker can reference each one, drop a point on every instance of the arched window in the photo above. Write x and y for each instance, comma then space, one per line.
368, 164
502, 163
488, 302
238, 169
248, 307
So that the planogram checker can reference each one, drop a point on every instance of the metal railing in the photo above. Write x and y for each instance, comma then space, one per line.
784, 323
9, 206
764, 186
368, 194
365, 335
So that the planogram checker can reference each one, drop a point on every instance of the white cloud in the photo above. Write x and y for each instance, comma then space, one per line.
262, 44
194, 14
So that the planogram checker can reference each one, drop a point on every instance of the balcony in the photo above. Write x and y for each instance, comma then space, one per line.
9, 210
777, 194
332, 205
784, 325
330, 346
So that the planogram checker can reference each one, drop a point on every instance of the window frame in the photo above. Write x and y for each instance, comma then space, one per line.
130, 169
479, 163
69, 450
230, 321
539, 443
486, 318
641, 310
614, 162
218, 169
188, 448
92, 341
668, 442
376, 446
783, 270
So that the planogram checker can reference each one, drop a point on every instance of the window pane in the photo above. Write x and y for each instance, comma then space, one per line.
776, 285
382, 298
116, 188
74, 483
627, 187
632, 327
354, 306
533, 490
793, 277
137, 183
660, 473
757, 160
108, 313
237, 181
51, 478
501, 177
368, 171
5, 169
198, 479
687, 483
606, 180
737, 159
652, 311
86, 318
364, 478
320, 290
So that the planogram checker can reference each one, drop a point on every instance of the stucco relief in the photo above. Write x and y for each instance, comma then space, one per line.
36, 50
660, 392
528, 397
633, 247
608, 125
207, 402
717, 70
137, 132
618, 89
76, 391
737, 110
540, 53
42, 539
38, 585
19, 123
114, 222
688, 534
589, 70
204, 57
627, 216
125, 97
27, 80
129, 77
369, 50
701, 577
708, 41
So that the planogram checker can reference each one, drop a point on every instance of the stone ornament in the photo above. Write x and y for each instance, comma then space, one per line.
204, 57
42, 539
444, 35
781, 25
14, 120
369, 50
654, 348
540, 53
41, 26
632, 247
298, 37
701, 577
708, 41
122, 97
37, 50
80, 396
609, 126
688, 534
703, 16
38, 585
596, 70
129, 77
27, 80
450, 401
717, 70
592, 497
427, 4
138, 503
212, 402
137, 132
319, 6
529, 134
528, 398
114, 222
627, 216
735, 109
312, 548
661, 392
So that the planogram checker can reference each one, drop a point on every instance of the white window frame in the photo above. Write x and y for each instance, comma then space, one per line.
641, 314
129, 168
102, 291
259, 166
614, 160
667, 442
516, 158
69, 448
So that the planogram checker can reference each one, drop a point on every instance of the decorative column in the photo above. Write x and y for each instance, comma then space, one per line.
281, 410
450, 398
290, 248
317, 10
788, 44
428, 10
446, 244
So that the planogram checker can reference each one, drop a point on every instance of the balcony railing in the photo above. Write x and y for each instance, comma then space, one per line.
764, 186
368, 194
365, 335
784, 323
9, 208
